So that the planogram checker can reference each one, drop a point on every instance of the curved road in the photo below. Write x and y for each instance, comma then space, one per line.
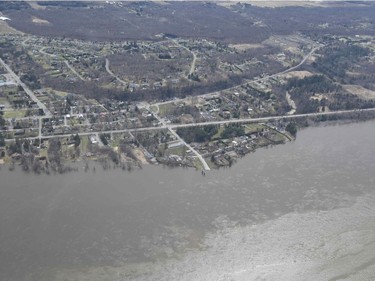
112, 74
172, 127
247, 81
192, 66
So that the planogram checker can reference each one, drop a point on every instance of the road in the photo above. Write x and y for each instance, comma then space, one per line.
173, 127
269, 118
222, 122
192, 65
164, 125
200, 157
29, 92
112, 74
65, 61
73, 70
293, 67
215, 93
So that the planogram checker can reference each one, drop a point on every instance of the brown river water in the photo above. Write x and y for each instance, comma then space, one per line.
287, 212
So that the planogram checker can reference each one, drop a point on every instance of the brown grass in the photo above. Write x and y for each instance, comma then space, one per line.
242, 47
298, 74
360, 91
40, 21
6, 29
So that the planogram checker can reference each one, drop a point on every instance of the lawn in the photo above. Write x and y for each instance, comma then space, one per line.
179, 150
84, 144
3, 100
253, 128
277, 137
19, 113
217, 136
165, 108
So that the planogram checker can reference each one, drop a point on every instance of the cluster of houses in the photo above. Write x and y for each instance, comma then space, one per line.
224, 152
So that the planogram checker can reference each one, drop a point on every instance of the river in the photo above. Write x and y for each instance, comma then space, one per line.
287, 212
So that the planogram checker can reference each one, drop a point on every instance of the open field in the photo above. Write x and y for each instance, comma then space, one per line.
360, 91
297, 74
15, 113
243, 47
6, 29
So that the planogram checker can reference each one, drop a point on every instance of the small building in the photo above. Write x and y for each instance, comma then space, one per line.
93, 139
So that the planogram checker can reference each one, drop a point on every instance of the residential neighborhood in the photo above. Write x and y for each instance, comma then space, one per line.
204, 130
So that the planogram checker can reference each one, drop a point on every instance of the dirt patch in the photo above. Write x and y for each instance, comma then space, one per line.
6, 29
40, 21
360, 91
291, 103
36, 6
186, 119
140, 156
298, 74
242, 47
353, 74
319, 97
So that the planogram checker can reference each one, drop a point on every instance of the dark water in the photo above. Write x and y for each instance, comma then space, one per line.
114, 217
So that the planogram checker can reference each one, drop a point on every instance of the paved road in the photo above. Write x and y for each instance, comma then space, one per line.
200, 157
306, 57
192, 66
269, 118
112, 74
29, 92
172, 127
73, 70
232, 121
164, 125
65, 61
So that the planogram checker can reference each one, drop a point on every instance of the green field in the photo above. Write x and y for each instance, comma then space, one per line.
253, 128
179, 150
165, 108
19, 113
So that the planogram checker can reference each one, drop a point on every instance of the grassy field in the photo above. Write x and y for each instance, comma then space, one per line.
217, 136
209, 163
3, 101
253, 128
58, 93
15, 113
198, 164
165, 108
84, 144
277, 137
180, 150
6, 29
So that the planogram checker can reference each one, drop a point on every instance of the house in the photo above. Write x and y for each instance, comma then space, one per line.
225, 114
93, 139
174, 144
231, 155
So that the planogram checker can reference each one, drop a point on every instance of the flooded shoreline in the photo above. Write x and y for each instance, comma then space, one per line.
66, 226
